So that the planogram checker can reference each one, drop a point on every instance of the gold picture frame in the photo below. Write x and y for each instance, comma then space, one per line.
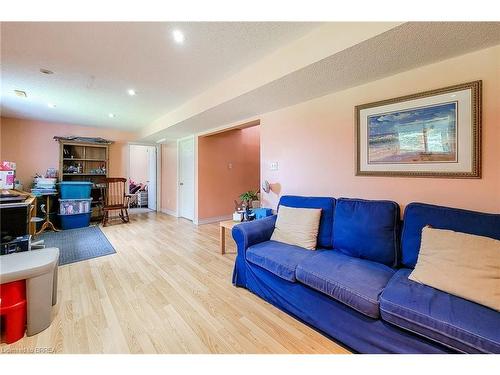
436, 133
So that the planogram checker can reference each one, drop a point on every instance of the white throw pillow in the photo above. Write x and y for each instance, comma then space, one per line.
297, 226
465, 265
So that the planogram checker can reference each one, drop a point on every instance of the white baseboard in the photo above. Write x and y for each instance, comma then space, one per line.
214, 219
169, 212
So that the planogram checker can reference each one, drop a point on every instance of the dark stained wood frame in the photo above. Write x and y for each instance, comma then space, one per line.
476, 117
115, 198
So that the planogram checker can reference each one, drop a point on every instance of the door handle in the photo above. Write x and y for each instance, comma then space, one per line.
181, 183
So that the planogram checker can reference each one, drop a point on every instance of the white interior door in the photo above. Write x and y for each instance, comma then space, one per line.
186, 178
152, 177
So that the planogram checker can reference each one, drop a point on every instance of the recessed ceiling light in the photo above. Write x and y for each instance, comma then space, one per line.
131, 92
111, 115
21, 93
161, 140
454, 95
46, 71
178, 36
51, 105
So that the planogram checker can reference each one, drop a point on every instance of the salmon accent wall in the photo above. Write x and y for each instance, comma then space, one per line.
31, 145
314, 142
218, 184
169, 178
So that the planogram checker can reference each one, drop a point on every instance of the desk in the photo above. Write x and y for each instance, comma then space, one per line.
229, 224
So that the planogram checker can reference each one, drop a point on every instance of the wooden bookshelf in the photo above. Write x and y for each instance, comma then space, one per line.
85, 161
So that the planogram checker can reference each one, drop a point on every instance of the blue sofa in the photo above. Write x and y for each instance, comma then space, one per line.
355, 288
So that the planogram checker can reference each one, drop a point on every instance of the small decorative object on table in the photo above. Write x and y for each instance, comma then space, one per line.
261, 213
238, 214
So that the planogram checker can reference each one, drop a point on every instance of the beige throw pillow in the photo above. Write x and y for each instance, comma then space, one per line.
465, 265
297, 226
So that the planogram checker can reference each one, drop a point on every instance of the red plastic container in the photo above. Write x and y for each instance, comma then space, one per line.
13, 310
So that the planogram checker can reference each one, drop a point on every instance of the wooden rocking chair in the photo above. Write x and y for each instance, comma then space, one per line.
115, 199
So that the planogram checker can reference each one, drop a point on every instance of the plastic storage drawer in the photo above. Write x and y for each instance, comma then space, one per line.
74, 206
74, 189
75, 221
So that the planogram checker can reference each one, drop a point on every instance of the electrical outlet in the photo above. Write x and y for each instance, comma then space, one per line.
274, 166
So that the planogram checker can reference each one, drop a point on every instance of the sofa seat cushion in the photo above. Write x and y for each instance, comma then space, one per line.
278, 258
352, 281
448, 319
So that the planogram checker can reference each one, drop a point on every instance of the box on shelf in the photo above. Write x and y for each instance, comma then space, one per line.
75, 221
74, 189
74, 206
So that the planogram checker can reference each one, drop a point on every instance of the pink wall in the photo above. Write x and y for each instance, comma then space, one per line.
139, 164
219, 185
314, 141
169, 177
30, 144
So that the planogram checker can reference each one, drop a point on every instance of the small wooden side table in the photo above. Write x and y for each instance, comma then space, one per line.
47, 225
229, 224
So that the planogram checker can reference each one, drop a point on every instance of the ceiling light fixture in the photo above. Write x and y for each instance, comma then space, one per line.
131, 92
178, 36
111, 115
46, 71
161, 140
51, 105
20, 93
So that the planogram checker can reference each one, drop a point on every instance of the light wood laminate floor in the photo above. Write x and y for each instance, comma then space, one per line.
166, 290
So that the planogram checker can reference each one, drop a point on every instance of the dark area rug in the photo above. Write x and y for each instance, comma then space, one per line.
78, 244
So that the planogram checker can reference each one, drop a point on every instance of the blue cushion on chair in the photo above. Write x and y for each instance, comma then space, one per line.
353, 281
279, 258
327, 206
460, 324
367, 229
418, 215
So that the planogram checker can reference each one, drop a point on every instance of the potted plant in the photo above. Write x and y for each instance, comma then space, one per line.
248, 197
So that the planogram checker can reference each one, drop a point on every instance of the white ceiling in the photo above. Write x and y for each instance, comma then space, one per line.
402, 48
95, 63
166, 75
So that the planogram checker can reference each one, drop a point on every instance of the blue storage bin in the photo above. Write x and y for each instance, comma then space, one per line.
75, 221
261, 213
74, 189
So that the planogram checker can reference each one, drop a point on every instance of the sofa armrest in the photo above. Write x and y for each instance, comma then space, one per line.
253, 232
246, 235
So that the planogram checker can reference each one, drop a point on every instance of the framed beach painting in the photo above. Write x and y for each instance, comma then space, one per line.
431, 134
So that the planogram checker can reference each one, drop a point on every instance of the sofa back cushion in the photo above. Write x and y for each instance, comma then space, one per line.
367, 229
327, 206
418, 215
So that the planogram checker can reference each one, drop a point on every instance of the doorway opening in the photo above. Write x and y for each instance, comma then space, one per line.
142, 178
228, 166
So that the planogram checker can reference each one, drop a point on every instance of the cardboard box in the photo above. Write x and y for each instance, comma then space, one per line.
7, 174
7, 166
7, 179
